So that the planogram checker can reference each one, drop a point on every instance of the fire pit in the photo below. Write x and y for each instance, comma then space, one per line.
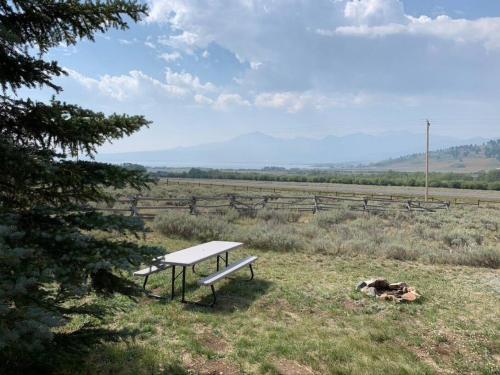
382, 289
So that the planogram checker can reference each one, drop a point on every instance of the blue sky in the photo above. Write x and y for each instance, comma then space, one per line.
208, 70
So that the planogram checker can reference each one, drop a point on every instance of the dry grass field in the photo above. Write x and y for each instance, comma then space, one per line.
302, 314
467, 165
240, 185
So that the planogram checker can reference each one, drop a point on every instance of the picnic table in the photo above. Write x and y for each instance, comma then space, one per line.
190, 257
196, 254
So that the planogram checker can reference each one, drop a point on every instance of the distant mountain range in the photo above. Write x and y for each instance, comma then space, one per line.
256, 150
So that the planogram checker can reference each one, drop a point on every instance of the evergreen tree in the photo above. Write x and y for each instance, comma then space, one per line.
52, 251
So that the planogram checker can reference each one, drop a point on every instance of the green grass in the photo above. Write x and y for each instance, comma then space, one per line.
303, 308
301, 314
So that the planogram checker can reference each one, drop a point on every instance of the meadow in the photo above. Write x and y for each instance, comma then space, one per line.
223, 186
479, 180
301, 314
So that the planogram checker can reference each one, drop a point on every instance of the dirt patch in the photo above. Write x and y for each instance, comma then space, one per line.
447, 346
427, 359
288, 367
212, 342
217, 367
201, 366
353, 305
443, 349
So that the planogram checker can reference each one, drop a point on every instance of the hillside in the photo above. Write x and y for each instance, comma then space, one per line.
467, 158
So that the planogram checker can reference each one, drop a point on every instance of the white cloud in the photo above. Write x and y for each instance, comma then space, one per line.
188, 82
125, 41
197, 23
85, 81
374, 12
382, 18
485, 31
186, 41
117, 87
202, 99
226, 101
136, 84
150, 44
255, 65
169, 57
288, 64
294, 102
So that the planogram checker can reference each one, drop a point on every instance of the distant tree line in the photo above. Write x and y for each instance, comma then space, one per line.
492, 149
481, 181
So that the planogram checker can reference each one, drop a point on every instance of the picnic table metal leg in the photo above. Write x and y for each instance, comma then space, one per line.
173, 283
227, 257
214, 298
183, 283
217, 262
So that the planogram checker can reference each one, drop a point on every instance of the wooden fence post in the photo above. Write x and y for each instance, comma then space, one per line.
316, 208
192, 206
408, 205
133, 206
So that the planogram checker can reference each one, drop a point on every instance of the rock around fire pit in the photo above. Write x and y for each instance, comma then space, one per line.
382, 289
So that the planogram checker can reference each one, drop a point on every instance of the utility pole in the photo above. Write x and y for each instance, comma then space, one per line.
427, 164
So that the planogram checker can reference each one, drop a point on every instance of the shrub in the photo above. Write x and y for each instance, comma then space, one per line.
322, 245
229, 215
478, 257
399, 252
461, 238
185, 225
490, 225
329, 218
484, 257
279, 216
270, 237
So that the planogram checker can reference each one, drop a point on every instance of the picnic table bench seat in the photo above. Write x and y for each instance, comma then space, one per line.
222, 274
146, 272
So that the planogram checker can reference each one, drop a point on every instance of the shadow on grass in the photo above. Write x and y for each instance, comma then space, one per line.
92, 351
233, 295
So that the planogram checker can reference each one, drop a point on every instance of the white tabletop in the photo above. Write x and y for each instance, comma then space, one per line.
198, 253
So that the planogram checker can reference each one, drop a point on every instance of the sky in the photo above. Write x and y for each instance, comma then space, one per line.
208, 70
